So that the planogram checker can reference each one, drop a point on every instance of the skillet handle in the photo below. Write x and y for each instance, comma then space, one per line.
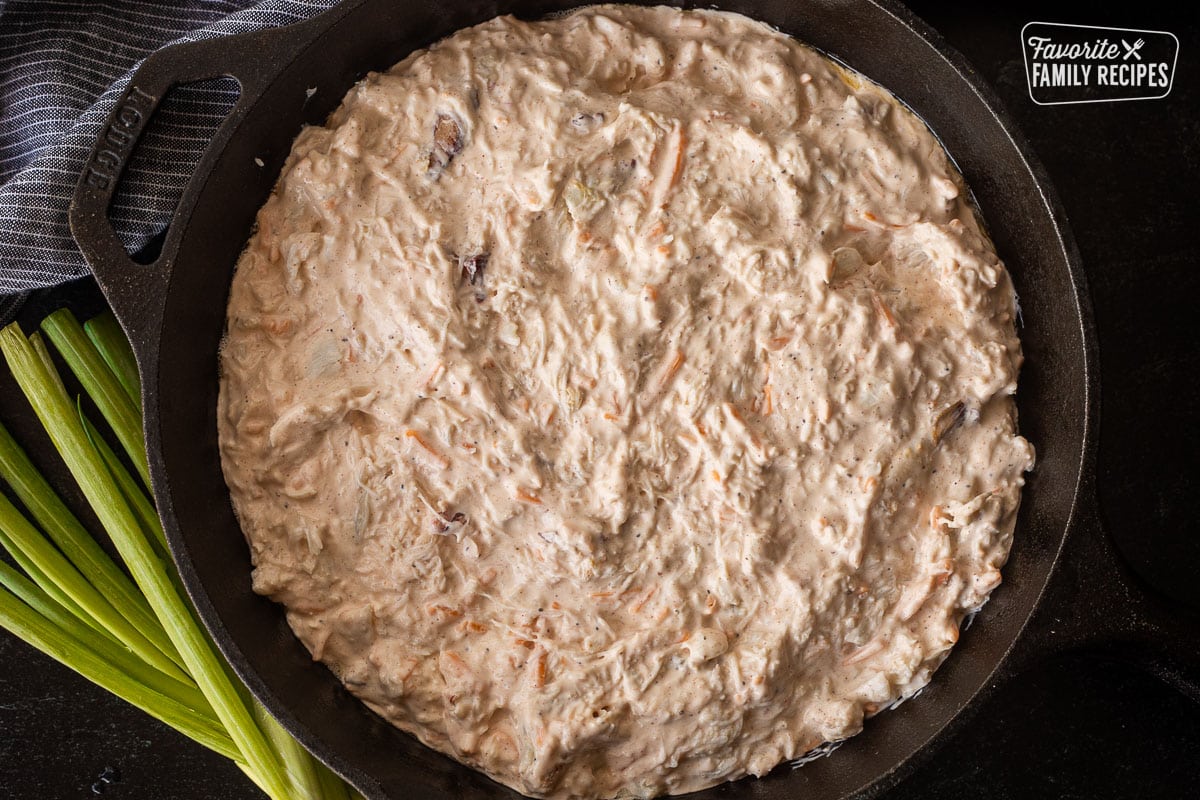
136, 291
1095, 603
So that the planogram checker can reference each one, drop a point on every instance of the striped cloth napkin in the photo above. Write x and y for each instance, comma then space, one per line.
63, 63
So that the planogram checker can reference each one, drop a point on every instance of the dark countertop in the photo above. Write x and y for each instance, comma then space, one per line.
1078, 727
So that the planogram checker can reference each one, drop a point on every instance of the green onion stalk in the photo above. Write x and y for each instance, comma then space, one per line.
138, 638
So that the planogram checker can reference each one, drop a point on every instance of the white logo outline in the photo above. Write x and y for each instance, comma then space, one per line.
1129, 50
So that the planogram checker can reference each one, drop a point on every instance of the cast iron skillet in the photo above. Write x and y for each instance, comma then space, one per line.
1063, 587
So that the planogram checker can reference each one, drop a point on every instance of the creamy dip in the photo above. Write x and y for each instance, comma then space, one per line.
622, 403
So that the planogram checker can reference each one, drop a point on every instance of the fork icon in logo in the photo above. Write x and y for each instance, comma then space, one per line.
1132, 50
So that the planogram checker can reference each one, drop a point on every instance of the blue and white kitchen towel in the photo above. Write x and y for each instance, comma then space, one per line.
63, 63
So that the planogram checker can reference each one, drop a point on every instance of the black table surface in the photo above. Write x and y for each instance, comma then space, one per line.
1080, 726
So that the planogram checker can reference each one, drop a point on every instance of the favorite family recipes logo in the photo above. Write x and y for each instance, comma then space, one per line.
1087, 64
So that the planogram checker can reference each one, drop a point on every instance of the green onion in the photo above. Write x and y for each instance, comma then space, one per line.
24, 538
132, 493
69, 534
86, 570
108, 649
299, 765
101, 384
29, 625
44, 583
106, 334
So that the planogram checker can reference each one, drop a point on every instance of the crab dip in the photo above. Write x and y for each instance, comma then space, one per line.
622, 402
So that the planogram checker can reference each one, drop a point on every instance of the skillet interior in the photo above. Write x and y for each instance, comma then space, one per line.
878, 40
